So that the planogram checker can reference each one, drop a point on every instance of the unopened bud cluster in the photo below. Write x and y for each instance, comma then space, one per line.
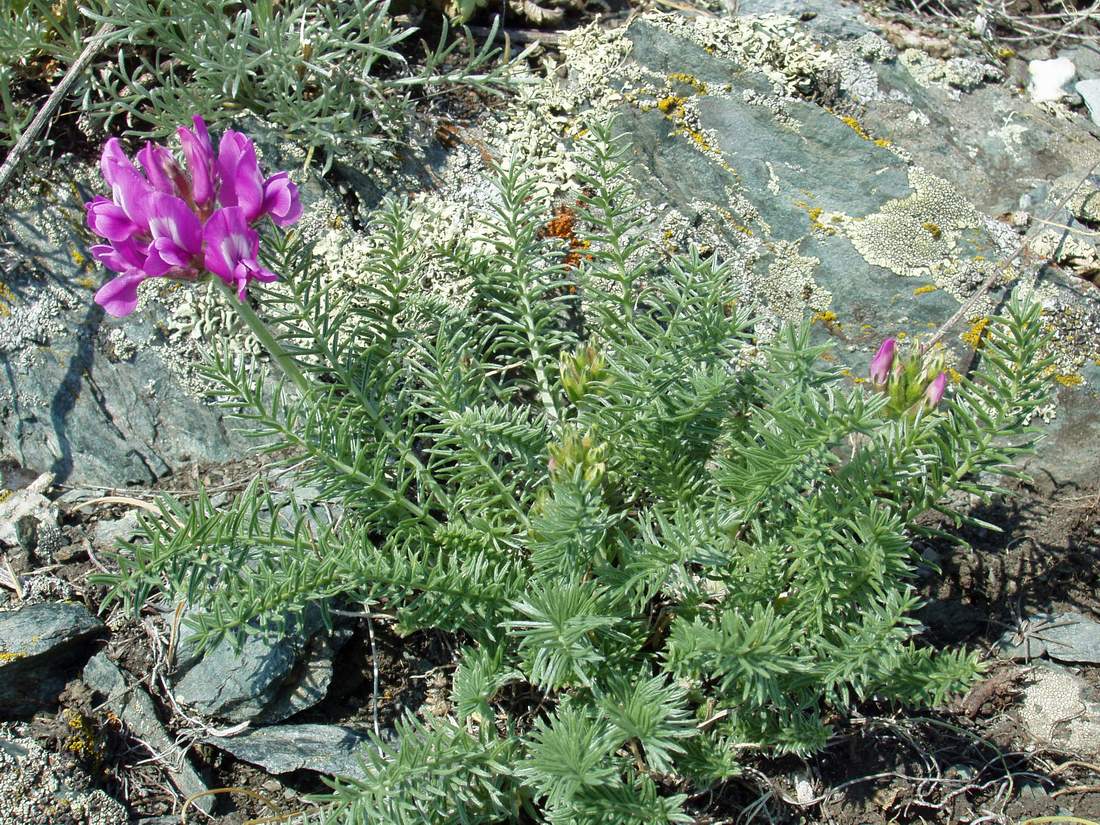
582, 372
912, 382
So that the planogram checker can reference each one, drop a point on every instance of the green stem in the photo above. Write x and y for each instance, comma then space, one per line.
263, 334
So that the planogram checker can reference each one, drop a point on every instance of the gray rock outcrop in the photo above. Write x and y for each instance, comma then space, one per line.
136, 710
267, 678
329, 749
42, 646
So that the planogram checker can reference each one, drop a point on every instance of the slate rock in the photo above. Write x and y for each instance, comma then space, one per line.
107, 534
135, 708
30, 525
827, 216
1066, 637
328, 749
41, 647
1090, 94
268, 678
90, 398
830, 17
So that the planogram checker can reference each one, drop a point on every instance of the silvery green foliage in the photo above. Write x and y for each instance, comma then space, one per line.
592, 477
330, 75
37, 38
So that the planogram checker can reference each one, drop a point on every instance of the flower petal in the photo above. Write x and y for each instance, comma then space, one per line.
199, 152
881, 363
241, 182
162, 170
171, 218
108, 220
113, 160
281, 200
119, 295
229, 240
134, 194
120, 256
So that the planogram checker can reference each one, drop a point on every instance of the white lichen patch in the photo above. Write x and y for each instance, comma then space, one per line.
30, 320
954, 75
1072, 326
789, 288
854, 63
917, 236
1058, 711
37, 787
777, 45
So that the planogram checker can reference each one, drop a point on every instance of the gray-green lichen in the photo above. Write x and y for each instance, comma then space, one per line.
36, 788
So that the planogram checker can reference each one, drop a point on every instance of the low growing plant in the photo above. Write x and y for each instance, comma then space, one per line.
655, 543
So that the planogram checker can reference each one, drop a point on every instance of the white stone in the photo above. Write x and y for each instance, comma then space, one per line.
1049, 78
1090, 93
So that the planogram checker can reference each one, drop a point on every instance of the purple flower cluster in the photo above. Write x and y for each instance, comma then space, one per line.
169, 223
903, 380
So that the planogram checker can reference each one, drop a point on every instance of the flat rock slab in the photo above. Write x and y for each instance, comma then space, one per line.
135, 708
42, 646
328, 749
267, 678
1066, 637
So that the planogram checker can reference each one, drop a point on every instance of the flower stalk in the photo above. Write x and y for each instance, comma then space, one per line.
259, 328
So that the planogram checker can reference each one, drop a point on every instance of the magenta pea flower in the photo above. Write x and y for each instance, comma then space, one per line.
934, 393
167, 223
199, 152
242, 183
232, 247
177, 239
281, 201
883, 360
244, 186
164, 174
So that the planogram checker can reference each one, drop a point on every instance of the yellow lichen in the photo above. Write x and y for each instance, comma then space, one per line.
698, 138
7, 658
1070, 379
858, 128
671, 104
7, 300
924, 290
828, 318
956, 376
855, 126
932, 229
82, 739
973, 336
815, 213
88, 282
690, 80
77, 256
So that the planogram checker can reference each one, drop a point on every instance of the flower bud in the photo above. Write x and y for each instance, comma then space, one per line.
883, 360
935, 390
581, 372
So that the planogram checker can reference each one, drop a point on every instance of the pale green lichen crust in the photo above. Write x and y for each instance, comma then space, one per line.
36, 788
